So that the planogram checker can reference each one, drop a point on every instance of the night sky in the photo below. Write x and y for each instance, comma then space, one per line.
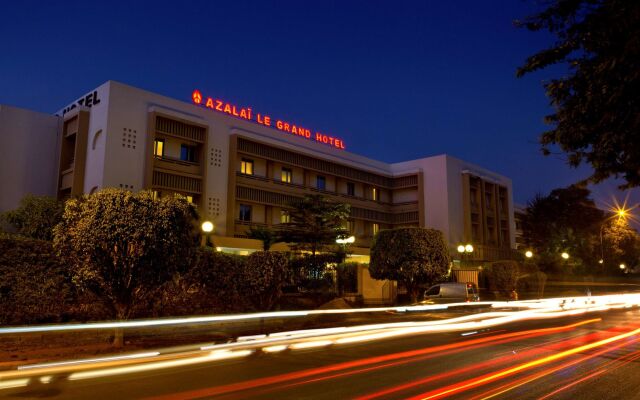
397, 80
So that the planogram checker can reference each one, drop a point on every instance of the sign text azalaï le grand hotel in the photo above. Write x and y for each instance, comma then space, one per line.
246, 113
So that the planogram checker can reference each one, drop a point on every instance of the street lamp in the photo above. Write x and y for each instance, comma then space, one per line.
207, 228
622, 213
464, 249
528, 254
565, 255
344, 242
622, 266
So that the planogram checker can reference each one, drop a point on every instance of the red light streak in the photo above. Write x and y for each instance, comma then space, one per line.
626, 360
260, 382
481, 380
522, 381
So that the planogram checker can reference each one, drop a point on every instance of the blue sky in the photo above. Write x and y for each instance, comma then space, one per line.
397, 80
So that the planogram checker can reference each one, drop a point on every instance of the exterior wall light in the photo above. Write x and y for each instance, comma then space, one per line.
348, 240
461, 249
468, 248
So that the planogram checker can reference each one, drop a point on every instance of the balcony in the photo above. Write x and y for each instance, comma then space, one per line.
175, 164
364, 202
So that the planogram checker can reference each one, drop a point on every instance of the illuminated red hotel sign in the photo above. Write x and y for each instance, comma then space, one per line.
246, 113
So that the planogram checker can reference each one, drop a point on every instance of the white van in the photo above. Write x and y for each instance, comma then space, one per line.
451, 292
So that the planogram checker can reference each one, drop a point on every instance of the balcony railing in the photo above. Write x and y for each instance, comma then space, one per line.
322, 191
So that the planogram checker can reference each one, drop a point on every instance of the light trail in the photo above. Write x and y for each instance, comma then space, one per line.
314, 372
466, 385
90, 360
528, 379
213, 356
620, 300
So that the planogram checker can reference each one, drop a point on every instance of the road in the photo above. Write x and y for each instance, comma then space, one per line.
592, 355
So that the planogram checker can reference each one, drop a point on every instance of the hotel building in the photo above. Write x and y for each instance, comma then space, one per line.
243, 168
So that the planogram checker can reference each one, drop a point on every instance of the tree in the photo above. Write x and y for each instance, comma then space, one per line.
36, 216
566, 220
315, 223
596, 104
621, 245
416, 257
266, 235
124, 246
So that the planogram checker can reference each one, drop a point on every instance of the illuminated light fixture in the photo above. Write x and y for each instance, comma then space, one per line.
275, 349
310, 345
207, 227
468, 248
461, 249
528, 254
622, 266
601, 261
196, 96
348, 240
565, 255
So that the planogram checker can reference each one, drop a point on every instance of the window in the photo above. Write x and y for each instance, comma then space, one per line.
155, 195
245, 213
351, 188
287, 175
350, 226
189, 198
375, 228
246, 166
284, 217
374, 194
187, 153
321, 182
433, 291
158, 147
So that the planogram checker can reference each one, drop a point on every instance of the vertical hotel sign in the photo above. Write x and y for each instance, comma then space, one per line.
266, 120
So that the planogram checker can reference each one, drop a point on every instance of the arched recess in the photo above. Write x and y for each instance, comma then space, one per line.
95, 139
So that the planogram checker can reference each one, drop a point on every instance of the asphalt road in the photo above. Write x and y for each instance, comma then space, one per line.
590, 356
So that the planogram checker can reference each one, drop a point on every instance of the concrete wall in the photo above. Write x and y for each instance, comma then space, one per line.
29, 143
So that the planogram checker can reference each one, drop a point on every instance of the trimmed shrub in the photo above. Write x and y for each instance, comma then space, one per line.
415, 257
36, 216
34, 286
123, 246
213, 284
265, 273
532, 284
502, 276
347, 277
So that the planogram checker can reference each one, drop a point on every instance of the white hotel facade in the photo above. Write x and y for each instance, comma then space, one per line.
243, 170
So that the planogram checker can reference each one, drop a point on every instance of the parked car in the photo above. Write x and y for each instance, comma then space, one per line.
451, 292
